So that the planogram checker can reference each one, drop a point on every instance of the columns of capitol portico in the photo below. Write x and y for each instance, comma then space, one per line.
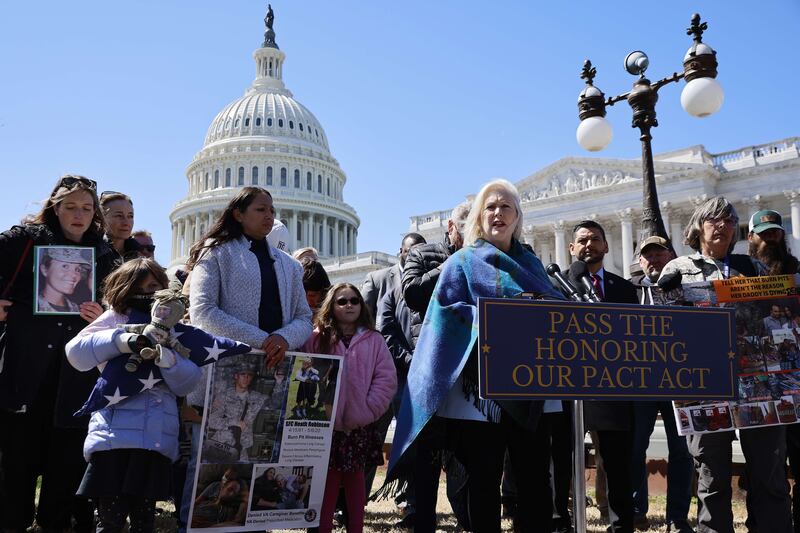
559, 228
336, 251
174, 248
794, 203
754, 205
324, 242
293, 238
625, 217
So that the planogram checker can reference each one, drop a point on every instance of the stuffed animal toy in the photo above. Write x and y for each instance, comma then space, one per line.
169, 306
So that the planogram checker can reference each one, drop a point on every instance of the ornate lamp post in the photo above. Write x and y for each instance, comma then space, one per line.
701, 97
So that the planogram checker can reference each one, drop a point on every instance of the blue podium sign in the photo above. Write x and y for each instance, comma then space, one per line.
567, 350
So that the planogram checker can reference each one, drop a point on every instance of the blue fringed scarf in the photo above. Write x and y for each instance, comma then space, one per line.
451, 329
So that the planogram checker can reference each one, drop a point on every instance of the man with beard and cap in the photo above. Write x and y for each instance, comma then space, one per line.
611, 422
767, 243
654, 253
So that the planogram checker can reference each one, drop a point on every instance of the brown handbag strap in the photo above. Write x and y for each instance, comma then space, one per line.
8, 287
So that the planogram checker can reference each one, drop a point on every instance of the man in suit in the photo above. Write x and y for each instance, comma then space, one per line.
379, 282
612, 421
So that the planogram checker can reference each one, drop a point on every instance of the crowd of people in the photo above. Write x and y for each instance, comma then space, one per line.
407, 338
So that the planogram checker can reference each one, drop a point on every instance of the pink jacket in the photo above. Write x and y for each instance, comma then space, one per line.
367, 381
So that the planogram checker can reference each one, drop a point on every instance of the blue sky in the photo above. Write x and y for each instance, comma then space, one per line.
422, 102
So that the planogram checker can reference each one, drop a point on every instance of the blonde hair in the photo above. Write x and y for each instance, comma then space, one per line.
472, 227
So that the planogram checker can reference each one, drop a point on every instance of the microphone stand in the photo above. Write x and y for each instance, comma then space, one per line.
579, 461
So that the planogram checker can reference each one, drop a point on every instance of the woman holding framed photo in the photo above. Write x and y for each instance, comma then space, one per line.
39, 390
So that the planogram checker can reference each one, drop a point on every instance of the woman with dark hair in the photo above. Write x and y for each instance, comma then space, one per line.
245, 289
39, 390
118, 215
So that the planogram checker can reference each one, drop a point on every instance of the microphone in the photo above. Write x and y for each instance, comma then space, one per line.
670, 282
579, 272
554, 271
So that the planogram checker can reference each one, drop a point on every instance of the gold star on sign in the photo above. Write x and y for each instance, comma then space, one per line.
731, 354
486, 348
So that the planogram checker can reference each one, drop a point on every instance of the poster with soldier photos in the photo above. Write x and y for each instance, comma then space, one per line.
767, 354
64, 279
265, 443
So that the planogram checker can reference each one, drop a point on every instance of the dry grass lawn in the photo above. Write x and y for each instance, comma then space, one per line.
381, 516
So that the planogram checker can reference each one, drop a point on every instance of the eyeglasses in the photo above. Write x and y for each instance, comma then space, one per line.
71, 181
148, 247
727, 221
344, 301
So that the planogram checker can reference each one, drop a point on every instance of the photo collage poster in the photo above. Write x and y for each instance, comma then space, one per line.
266, 437
767, 355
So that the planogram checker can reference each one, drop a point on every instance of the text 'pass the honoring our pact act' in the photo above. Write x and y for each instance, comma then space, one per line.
569, 350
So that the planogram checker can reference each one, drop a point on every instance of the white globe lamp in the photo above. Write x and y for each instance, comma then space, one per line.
594, 133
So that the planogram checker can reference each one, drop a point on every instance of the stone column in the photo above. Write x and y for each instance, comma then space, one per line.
527, 236
676, 233
544, 250
197, 228
325, 243
336, 251
561, 252
753, 204
293, 231
794, 202
174, 241
610, 260
625, 216
187, 236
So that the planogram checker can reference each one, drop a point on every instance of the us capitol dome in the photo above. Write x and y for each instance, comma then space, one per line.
269, 139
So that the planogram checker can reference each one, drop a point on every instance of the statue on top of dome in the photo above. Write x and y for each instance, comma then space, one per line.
270, 17
269, 35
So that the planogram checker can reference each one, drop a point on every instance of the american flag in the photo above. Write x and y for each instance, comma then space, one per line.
115, 383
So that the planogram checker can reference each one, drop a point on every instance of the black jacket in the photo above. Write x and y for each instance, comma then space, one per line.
35, 371
421, 272
400, 326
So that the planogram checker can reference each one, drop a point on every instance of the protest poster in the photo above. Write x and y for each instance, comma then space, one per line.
767, 360
265, 443
65, 278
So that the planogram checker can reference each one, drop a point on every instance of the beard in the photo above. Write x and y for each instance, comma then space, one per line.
776, 256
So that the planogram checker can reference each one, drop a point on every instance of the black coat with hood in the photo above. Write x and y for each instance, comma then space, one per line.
34, 370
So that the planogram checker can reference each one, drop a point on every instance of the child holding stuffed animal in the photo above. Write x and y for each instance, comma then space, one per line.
132, 443
344, 326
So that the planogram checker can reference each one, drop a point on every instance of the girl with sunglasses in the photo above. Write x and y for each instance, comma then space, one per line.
344, 326
39, 390
118, 214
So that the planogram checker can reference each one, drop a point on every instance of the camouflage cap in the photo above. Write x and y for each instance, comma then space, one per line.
244, 368
81, 256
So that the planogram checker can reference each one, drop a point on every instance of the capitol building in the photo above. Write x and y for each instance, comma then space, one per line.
609, 191
269, 139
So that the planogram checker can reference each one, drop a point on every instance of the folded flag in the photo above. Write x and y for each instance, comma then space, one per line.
115, 383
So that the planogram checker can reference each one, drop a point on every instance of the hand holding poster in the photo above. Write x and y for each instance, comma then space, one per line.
265, 445
768, 355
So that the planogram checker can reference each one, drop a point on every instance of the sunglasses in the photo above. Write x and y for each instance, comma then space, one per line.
71, 181
344, 301
108, 193
148, 247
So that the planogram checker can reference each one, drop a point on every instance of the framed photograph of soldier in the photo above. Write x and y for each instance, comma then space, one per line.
767, 355
64, 278
246, 411
260, 466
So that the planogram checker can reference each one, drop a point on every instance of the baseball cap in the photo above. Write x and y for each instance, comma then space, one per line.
654, 240
764, 220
